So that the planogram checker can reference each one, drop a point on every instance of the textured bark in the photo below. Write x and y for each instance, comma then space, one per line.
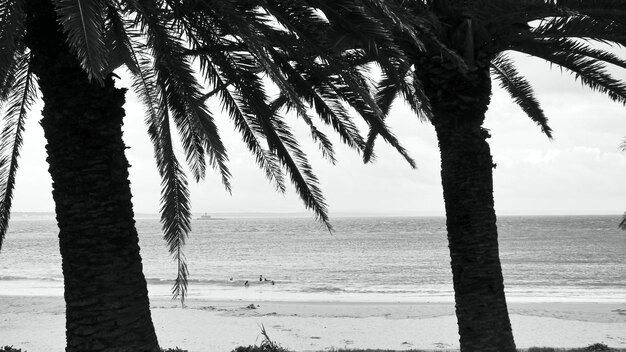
459, 106
107, 307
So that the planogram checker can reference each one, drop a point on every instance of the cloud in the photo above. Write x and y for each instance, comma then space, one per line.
541, 156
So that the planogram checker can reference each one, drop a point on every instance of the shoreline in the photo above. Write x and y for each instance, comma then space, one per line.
37, 287
36, 324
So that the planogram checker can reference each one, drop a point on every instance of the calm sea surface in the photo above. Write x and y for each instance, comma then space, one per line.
577, 258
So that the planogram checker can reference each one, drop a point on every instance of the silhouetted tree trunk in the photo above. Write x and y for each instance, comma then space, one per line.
107, 307
459, 106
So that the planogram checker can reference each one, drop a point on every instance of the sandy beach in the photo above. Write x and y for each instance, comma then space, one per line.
36, 324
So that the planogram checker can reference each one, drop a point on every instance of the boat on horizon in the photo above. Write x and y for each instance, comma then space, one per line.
208, 217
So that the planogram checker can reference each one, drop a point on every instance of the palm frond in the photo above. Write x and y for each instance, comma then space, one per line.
585, 5
306, 183
246, 124
520, 90
591, 72
386, 93
9, 76
366, 106
376, 124
257, 45
240, 72
175, 204
388, 90
11, 32
581, 27
583, 49
281, 143
351, 77
325, 144
24, 93
193, 120
313, 90
403, 21
356, 25
118, 42
83, 22
521, 12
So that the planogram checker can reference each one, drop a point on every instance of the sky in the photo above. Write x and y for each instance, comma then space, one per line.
580, 171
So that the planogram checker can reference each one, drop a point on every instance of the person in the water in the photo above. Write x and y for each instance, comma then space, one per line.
246, 283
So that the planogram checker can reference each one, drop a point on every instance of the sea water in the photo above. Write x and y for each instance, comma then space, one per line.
390, 259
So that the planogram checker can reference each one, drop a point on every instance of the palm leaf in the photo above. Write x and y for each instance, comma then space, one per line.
386, 93
246, 124
257, 45
376, 124
581, 27
83, 22
402, 20
324, 143
24, 93
360, 96
608, 8
583, 49
175, 207
326, 105
241, 74
175, 204
9, 76
282, 143
166, 52
194, 122
591, 72
388, 90
306, 183
118, 42
520, 90
11, 32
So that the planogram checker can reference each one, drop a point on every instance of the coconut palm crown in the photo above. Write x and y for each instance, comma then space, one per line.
454, 96
236, 43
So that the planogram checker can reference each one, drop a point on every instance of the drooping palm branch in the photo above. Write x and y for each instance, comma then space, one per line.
562, 33
308, 54
520, 90
23, 93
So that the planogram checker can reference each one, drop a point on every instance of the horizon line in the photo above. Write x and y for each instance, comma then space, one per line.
351, 213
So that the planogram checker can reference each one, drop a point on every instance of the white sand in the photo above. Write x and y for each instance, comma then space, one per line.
36, 324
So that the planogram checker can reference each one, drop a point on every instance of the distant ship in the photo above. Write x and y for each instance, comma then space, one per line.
208, 217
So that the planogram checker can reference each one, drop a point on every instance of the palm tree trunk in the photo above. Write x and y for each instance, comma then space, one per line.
466, 175
459, 105
107, 307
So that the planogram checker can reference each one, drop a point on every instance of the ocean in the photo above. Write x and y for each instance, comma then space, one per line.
366, 259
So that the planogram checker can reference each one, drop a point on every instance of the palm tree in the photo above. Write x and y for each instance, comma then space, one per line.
69, 49
452, 90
